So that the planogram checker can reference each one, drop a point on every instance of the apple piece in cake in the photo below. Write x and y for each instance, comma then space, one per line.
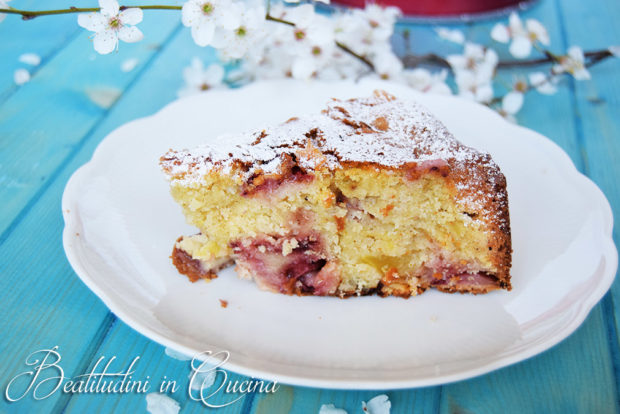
371, 195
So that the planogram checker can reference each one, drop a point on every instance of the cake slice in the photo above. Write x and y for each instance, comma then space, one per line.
372, 195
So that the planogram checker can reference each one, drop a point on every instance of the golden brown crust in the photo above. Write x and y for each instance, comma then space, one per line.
194, 269
190, 267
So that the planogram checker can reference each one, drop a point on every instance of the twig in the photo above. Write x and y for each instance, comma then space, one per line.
593, 56
411, 61
31, 14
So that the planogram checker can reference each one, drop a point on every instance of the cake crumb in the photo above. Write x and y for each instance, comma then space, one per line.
288, 246
223, 303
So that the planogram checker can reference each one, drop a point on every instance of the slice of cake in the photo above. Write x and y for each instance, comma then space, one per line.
371, 195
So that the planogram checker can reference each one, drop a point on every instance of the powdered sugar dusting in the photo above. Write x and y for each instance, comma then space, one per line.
380, 129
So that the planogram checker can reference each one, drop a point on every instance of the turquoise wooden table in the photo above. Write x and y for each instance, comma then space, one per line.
51, 125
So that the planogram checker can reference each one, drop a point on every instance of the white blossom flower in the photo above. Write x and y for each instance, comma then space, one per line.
387, 64
311, 42
198, 79
157, 403
543, 83
204, 16
31, 59
573, 63
310, 27
4, 4
473, 87
523, 37
380, 19
424, 81
306, 65
475, 58
331, 409
451, 35
249, 30
21, 76
110, 25
378, 405
473, 72
614, 50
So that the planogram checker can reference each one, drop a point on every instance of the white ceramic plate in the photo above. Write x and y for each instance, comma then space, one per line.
120, 225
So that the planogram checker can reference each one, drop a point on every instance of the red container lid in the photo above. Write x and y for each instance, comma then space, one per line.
439, 8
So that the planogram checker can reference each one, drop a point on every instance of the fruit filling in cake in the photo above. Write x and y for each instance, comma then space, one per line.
372, 195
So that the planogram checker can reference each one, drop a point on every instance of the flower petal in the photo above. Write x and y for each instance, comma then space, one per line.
515, 24
440, 88
109, 8
203, 33
130, 34
214, 75
21, 76
581, 74
157, 403
521, 47
190, 14
484, 93
95, 22
512, 102
228, 19
473, 50
303, 68
127, 66
538, 30
3, 5
331, 409
105, 41
30, 59
457, 62
455, 36
378, 405
500, 33
131, 16
542, 84
576, 53
419, 79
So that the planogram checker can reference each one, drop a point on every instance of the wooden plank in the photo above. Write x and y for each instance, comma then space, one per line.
42, 36
164, 70
126, 344
43, 299
120, 336
596, 107
575, 376
44, 121
300, 400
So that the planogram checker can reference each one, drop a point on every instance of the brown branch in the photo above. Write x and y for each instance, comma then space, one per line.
594, 57
31, 14
412, 61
